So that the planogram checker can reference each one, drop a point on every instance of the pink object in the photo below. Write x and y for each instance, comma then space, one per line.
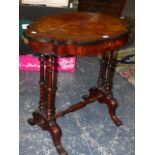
30, 63
127, 73
66, 64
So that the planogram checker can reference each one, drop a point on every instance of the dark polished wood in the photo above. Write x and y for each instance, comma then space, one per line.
50, 88
42, 101
51, 126
78, 34
107, 68
76, 28
43, 116
67, 33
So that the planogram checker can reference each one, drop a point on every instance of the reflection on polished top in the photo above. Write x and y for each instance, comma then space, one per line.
76, 28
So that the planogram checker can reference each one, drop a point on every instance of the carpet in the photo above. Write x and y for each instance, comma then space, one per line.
126, 64
88, 131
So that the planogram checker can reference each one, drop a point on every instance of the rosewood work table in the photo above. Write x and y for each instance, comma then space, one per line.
78, 34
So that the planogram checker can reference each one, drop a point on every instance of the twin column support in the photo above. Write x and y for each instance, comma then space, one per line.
45, 115
107, 67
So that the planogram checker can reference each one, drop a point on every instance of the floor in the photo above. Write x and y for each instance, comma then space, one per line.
88, 131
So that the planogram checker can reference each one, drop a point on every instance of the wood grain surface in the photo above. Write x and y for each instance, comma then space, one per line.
76, 28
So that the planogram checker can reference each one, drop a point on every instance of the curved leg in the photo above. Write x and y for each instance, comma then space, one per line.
55, 132
53, 128
112, 105
105, 79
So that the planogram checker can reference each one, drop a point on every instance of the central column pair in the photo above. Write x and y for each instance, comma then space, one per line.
47, 82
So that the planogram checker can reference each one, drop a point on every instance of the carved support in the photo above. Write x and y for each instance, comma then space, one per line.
55, 132
102, 71
111, 63
50, 87
105, 82
112, 105
42, 84
106, 72
45, 116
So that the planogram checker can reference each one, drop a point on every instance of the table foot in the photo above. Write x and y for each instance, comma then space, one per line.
37, 119
55, 132
51, 126
31, 121
112, 105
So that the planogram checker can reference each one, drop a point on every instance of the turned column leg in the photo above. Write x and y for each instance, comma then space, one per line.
54, 129
42, 106
50, 87
102, 72
106, 72
42, 84
105, 82
110, 63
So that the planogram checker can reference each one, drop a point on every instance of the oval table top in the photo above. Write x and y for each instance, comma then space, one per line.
78, 28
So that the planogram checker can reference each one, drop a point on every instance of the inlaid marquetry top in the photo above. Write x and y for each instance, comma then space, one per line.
76, 28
